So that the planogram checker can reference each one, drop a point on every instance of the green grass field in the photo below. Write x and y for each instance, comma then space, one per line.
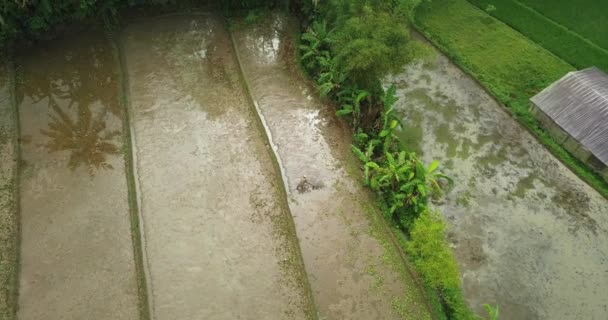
557, 38
589, 18
509, 65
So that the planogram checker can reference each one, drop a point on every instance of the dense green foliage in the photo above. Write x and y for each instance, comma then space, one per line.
369, 39
554, 37
397, 175
30, 19
510, 66
348, 48
589, 18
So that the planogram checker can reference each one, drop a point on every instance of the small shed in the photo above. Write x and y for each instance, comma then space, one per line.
574, 110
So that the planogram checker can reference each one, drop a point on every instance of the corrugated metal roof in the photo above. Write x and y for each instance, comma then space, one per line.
578, 103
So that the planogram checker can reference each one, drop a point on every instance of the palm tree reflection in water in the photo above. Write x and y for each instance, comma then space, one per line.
84, 115
86, 138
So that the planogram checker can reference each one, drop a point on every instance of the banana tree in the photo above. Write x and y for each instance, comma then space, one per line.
315, 46
351, 100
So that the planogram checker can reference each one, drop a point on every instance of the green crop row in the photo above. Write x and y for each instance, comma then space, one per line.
589, 18
554, 37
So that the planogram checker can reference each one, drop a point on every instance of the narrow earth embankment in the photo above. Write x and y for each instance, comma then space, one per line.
218, 236
9, 224
354, 269
528, 234
76, 251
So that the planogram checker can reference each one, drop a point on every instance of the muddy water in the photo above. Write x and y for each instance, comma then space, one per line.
354, 269
76, 250
8, 216
527, 233
218, 239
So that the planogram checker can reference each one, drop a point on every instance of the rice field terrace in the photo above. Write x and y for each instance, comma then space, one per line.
299, 159
163, 178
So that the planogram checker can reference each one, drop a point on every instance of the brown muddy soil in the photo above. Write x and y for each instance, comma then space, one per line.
219, 239
527, 233
354, 269
76, 251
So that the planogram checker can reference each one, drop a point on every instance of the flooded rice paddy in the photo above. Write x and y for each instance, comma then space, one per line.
216, 240
354, 270
527, 233
153, 185
75, 231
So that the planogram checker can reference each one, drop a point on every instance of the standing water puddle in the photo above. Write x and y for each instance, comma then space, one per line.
527, 233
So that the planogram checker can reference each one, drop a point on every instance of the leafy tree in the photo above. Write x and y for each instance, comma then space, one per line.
370, 45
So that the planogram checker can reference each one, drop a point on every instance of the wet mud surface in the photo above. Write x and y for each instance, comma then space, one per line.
354, 270
527, 233
217, 235
8, 205
76, 249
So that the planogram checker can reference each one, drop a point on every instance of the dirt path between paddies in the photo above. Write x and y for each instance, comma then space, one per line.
76, 250
219, 240
354, 269
527, 233
9, 224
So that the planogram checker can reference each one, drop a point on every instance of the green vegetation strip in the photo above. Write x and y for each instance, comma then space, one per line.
347, 51
139, 250
554, 37
508, 65
589, 18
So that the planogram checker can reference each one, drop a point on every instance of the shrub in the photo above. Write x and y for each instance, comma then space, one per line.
370, 45
430, 252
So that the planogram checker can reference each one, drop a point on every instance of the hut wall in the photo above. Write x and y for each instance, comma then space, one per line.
568, 142
556, 131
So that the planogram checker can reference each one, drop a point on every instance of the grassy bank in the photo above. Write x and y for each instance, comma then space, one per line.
589, 18
9, 193
554, 37
506, 63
